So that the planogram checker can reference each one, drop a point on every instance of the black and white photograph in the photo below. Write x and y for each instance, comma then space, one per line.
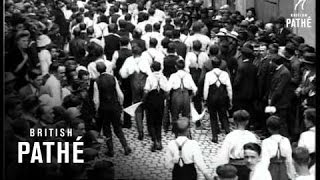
159, 89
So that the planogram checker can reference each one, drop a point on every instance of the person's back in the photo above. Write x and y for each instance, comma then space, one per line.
169, 61
183, 154
106, 84
301, 160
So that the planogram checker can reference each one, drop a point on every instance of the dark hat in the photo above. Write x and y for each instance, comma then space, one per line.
297, 40
309, 58
290, 46
227, 171
246, 50
302, 46
280, 20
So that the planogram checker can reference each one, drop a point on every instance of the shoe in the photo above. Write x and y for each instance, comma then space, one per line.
109, 153
127, 151
153, 148
140, 137
215, 140
159, 147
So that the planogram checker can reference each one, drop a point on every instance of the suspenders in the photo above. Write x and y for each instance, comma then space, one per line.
180, 152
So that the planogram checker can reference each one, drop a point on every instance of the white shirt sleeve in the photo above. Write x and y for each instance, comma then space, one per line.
188, 62
206, 87
115, 57
223, 155
96, 95
55, 92
198, 159
125, 69
148, 85
228, 85
45, 61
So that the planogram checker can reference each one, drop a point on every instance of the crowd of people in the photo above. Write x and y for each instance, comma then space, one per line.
78, 63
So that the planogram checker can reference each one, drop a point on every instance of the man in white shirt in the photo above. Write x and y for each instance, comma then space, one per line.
137, 69
194, 63
205, 40
152, 54
232, 147
183, 154
156, 34
217, 91
155, 90
308, 138
146, 36
301, 158
252, 152
53, 86
181, 83
275, 148
93, 73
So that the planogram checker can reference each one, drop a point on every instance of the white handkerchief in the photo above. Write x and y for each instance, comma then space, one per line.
270, 109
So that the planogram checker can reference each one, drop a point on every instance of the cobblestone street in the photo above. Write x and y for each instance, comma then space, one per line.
144, 164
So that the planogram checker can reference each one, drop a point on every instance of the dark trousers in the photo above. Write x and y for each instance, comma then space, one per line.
197, 99
283, 114
216, 112
154, 110
126, 89
180, 104
138, 81
108, 117
166, 115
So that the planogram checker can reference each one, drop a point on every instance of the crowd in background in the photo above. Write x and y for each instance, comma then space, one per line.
78, 63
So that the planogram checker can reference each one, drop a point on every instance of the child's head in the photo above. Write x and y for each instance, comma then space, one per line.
227, 172
182, 125
310, 117
156, 66
301, 157
180, 64
252, 152
241, 118
273, 124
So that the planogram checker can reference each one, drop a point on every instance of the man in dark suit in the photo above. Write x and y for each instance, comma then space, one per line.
264, 75
77, 45
245, 84
112, 41
293, 64
279, 95
281, 31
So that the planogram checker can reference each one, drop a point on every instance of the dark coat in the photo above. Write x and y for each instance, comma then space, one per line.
181, 48
112, 43
245, 82
265, 71
130, 27
77, 47
279, 90
281, 38
141, 43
